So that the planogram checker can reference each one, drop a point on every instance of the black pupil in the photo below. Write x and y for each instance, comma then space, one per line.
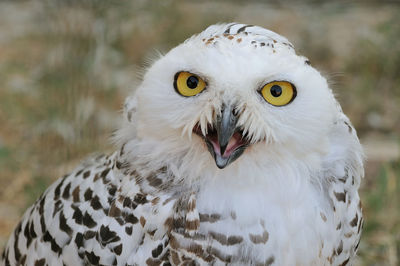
276, 90
192, 82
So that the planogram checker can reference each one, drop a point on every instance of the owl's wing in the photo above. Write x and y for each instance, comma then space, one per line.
83, 219
343, 171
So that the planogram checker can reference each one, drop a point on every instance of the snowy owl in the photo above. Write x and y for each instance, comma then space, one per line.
233, 151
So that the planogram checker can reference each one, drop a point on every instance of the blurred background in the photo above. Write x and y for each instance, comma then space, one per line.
67, 65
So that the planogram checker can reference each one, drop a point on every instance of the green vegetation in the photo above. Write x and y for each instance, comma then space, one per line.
381, 197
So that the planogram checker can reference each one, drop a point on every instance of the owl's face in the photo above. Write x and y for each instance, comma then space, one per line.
228, 94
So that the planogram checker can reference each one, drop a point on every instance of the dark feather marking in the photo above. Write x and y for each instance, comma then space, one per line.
153, 262
63, 224
42, 224
22, 261
211, 218
105, 173
127, 202
41, 206
77, 216
79, 240
217, 253
227, 31
358, 243
142, 221
27, 234
57, 207
128, 230
86, 174
120, 220
133, 205
17, 253
339, 248
224, 240
192, 225
157, 251
108, 236
348, 126
75, 194
58, 189
5, 255
110, 200
175, 258
40, 262
360, 225
354, 222
118, 249
95, 203
243, 28
88, 220
93, 259
130, 218
65, 194
79, 172
198, 251
54, 246
339, 226
259, 239
345, 262
270, 260
114, 211
112, 190
340, 196
32, 230
89, 234
88, 194
140, 199
154, 181
81, 255
97, 177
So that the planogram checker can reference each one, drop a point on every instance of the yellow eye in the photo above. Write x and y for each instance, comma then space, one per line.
188, 84
279, 93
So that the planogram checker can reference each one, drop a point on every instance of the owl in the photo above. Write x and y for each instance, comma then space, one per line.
233, 151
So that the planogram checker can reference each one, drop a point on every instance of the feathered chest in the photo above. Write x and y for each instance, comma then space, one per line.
283, 222
249, 227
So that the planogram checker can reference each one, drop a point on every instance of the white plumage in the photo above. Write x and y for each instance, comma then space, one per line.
234, 150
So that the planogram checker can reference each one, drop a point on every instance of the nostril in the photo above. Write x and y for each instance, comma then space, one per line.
234, 112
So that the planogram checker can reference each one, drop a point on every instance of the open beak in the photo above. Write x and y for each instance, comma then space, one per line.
225, 140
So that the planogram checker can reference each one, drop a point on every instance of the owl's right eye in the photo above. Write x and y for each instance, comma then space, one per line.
188, 84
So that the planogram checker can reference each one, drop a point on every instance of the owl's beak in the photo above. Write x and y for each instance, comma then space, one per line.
225, 140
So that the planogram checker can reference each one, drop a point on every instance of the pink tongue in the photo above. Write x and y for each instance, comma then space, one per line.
232, 145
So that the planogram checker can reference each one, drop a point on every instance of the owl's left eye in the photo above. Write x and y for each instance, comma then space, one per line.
188, 84
279, 93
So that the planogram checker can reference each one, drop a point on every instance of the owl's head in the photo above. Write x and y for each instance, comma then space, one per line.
231, 94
